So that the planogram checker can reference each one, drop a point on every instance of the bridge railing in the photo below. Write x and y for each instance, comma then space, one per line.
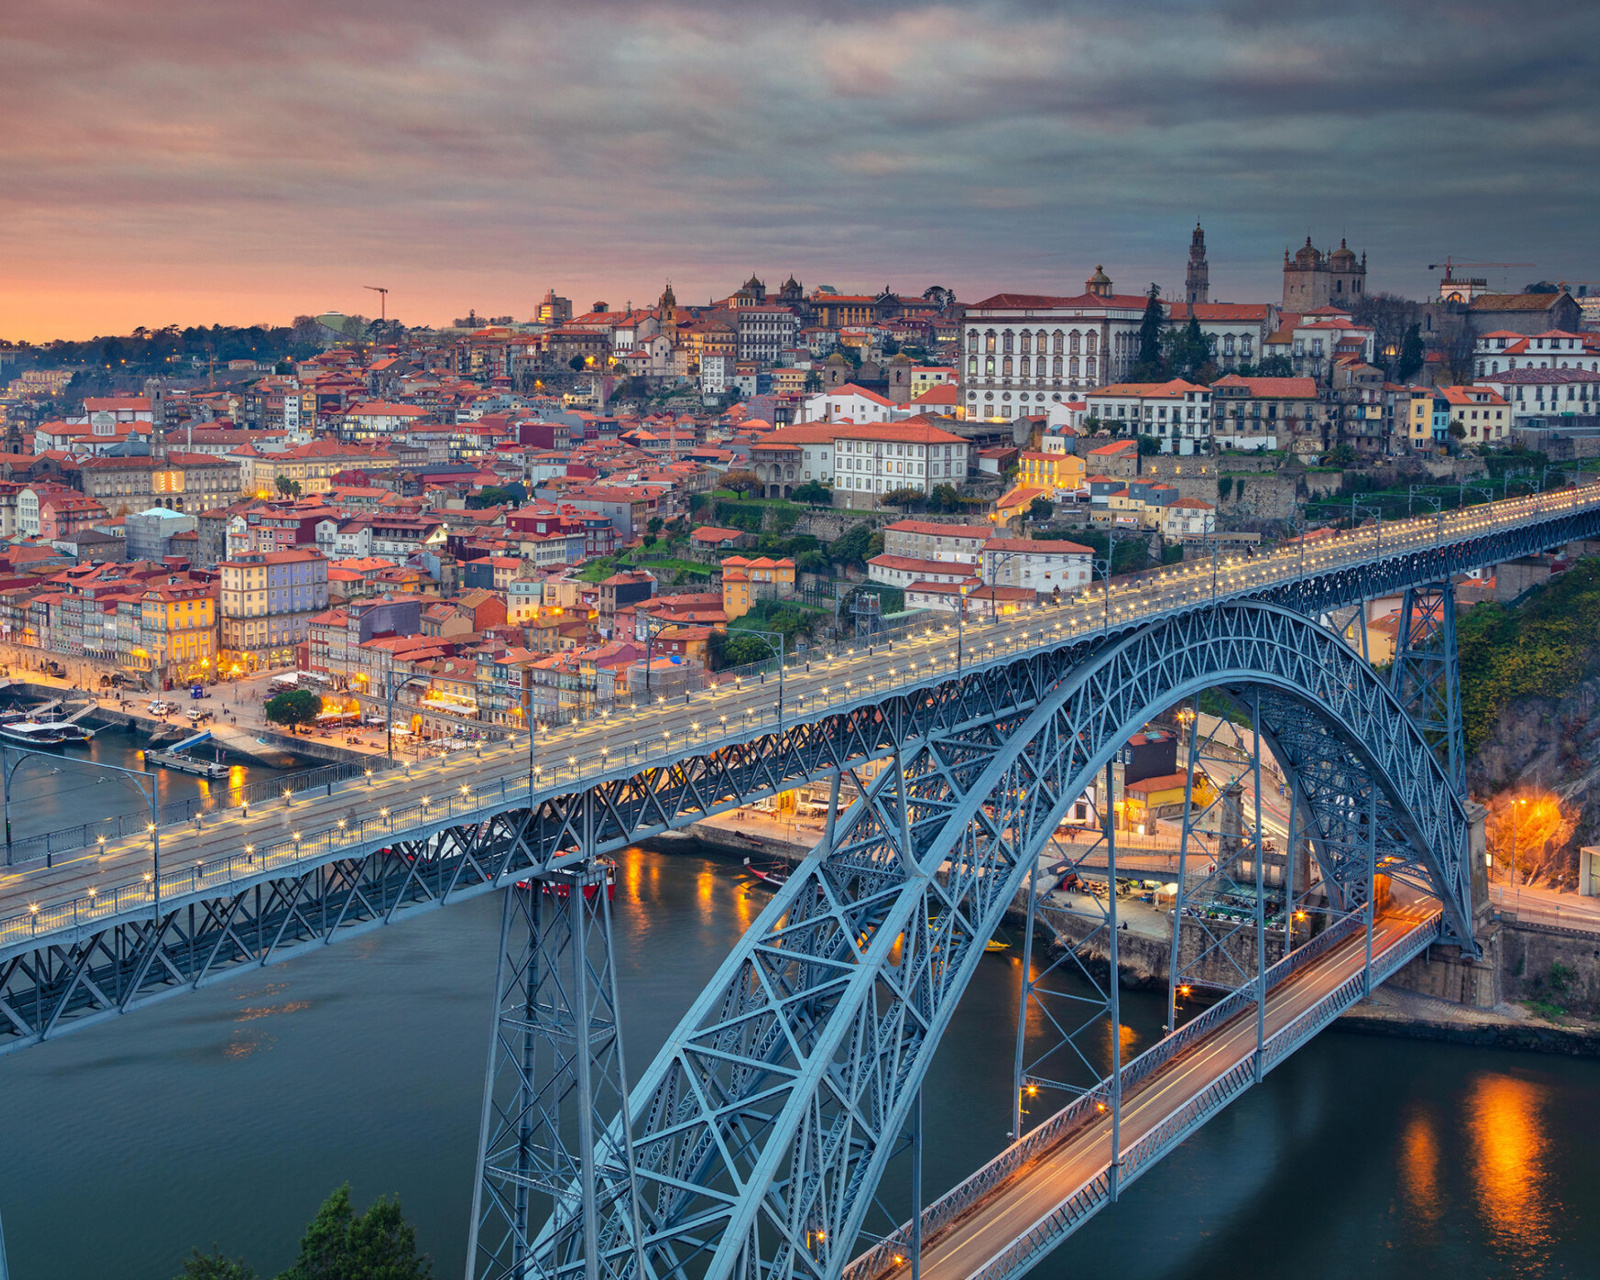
1060, 1126
177, 812
1139, 1155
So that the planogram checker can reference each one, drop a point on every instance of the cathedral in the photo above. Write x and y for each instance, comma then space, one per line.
1316, 279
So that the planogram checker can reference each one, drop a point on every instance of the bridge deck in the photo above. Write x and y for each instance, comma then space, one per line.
971, 1246
579, 754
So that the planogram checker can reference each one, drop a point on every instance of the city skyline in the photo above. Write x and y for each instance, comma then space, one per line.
176, 164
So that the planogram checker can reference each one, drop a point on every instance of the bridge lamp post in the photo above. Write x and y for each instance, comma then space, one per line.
394, 687
767, 638
993, 563
1369, 510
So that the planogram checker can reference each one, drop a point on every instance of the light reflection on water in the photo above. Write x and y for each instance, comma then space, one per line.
1509, 1140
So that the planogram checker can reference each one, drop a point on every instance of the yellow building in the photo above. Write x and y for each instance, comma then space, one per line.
1054, 471
178, 630
735, 592
1014, 505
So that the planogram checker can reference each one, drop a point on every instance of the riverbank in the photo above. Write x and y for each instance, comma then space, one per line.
1410, 1014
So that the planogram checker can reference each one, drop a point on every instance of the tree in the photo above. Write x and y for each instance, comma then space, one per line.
654, 525
813, 491
905, 498
1187, 350
1041, 509
1541, 824
1457, 431
946, 497
1341, 455
742, 482
813, 380
1149, 445
512, 494
575, 364
1149, 367
939, 296
215, 1266
812, 561
289, 488
1412, 355
294, 707
1543, 286
1275, 367
850, 547
341, 1244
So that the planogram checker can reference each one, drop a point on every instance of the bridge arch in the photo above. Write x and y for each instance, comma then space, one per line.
763, 1126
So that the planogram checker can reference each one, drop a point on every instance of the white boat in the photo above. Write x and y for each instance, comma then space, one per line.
27, 733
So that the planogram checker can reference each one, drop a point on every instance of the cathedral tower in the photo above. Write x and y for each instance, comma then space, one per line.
1198, 283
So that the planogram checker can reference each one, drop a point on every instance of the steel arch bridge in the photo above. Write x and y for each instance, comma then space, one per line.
759, 1134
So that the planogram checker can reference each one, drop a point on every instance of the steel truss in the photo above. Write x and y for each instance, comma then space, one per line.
1426, 675
763, 1126
555, 1077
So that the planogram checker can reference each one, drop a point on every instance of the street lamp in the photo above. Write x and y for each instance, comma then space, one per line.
388, 719
993, 563
767, 637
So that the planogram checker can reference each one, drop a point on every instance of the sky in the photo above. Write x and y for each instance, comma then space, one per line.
184, 161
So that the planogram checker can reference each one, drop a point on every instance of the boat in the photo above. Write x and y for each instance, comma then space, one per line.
775, 874
178, 757
29, 733
994, 946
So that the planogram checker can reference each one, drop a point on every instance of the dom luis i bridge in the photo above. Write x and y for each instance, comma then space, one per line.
759, 1141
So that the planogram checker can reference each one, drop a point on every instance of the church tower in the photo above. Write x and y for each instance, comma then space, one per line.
669, 314
1198, 284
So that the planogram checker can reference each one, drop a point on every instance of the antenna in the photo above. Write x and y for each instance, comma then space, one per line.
383, 301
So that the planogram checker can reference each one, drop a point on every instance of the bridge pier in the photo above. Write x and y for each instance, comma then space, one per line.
550, 1162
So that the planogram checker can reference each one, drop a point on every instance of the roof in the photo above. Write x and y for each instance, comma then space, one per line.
1279, 388
1514, 301
933, 529
851, 389
1174, 387
1038, 546
910, 564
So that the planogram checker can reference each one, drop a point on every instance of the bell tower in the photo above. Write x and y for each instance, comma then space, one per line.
1198, 282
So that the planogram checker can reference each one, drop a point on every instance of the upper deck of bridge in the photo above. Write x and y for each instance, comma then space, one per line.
117, 880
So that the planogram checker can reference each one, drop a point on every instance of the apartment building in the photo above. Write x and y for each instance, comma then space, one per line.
267, 600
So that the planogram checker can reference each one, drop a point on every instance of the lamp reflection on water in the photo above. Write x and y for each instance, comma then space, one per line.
1506, 1126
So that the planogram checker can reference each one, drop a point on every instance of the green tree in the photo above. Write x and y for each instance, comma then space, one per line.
812, 561
1412, 355
1224, 487
1149, 445
289, 488
575, 364
1149, 367
1341, 455
1275, 367
1186, 350
654, 525
294, 707
813, 491
905, 498
341, 1244
1041, 509
850, 547
946, 497
215, 1266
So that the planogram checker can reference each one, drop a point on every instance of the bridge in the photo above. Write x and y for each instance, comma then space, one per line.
758, 1138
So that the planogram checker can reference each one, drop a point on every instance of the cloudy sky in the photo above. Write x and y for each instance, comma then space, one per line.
183, 161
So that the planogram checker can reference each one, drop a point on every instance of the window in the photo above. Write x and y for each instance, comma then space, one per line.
1059, 339
1055, 366
1006, 342
1007, 362
1076, 338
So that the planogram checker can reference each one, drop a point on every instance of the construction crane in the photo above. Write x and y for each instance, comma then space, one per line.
1448, 263
383, 301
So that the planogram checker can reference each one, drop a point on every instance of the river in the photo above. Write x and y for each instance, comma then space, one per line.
227, 1115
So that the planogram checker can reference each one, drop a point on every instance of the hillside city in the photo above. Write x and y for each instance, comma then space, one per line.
507, 518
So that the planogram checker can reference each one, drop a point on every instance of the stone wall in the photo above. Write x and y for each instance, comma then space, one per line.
1549, 963
825, 525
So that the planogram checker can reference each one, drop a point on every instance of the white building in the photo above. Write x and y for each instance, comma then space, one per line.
1177, 413
1235, 330
717, 370
1021, 351
860, 460
846, 402
902, 571
1534, 393
764, 331
1503, 351
1043, 565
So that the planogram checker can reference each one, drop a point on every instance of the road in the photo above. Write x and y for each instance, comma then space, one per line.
962, 1249
573, 756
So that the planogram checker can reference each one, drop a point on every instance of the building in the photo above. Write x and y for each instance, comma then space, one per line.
191, 482
930, 540
1235, 331
869, 461
1314, 279
1057, 472
1022, 351
1176, 413
1525, 313
1480, 412
1546, 393
1048, 566
149, 534
1263, 413
1504, 350
178, 631
266, 601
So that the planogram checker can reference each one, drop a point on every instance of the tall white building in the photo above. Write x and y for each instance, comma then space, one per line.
1021, 352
